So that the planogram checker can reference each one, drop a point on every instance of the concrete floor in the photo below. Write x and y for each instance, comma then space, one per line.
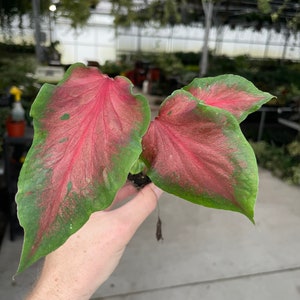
206, 254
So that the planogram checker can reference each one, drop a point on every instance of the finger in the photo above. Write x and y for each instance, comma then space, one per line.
140, 207
126, 191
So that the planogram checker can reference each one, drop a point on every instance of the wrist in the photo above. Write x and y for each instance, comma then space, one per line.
56, 283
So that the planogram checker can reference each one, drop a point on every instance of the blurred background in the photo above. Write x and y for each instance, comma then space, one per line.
160, 45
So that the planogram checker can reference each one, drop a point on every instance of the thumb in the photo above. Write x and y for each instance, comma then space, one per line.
140, 207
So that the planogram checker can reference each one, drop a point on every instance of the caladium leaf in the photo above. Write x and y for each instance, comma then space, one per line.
199, 153
88, 132
230, 92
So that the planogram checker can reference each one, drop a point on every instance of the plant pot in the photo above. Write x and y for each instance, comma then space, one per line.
15, 129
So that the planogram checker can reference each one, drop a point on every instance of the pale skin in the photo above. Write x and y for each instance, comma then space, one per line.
76, 269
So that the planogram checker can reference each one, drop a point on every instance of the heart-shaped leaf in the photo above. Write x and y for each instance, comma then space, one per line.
230, 92
199, 153
88, 132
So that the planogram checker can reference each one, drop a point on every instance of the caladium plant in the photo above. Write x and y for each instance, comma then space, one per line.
91, 131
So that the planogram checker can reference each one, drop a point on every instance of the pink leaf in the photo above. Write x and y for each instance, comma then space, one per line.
230, 92
88, 133
198, 152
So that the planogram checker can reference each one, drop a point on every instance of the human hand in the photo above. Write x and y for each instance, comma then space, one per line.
76, 269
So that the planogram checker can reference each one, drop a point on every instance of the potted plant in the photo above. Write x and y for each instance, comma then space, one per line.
91, 131
15, 123
15, 128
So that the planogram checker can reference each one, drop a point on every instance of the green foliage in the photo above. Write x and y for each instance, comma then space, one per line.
111, 68
166, 12
264, 6
9, 49
78, 12
17, 65
294, 148
14, 10
188, 58
128, 12
283, 162
168, 63
281, 15
17, 70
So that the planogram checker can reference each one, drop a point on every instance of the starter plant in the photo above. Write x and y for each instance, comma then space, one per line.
91, 131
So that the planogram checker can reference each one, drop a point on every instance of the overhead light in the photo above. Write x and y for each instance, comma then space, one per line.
52, 7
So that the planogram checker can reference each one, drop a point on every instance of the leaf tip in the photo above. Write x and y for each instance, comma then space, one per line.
249, 215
